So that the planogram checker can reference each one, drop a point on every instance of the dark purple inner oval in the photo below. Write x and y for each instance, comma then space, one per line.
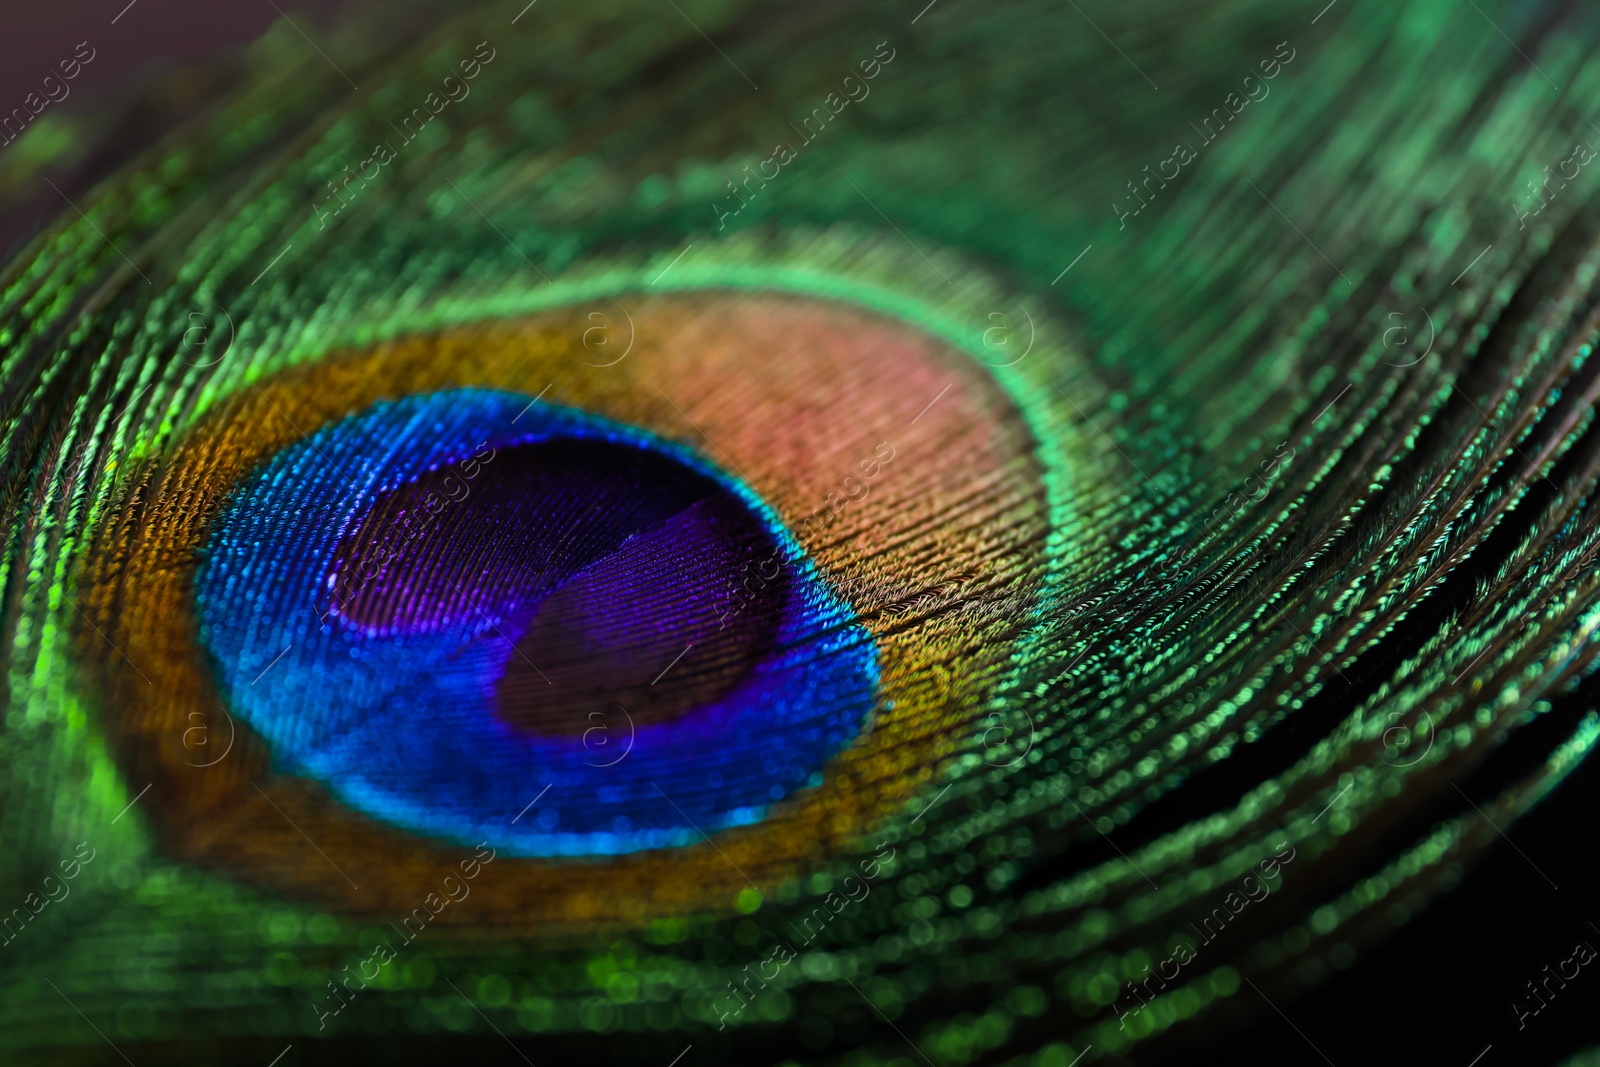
618, 578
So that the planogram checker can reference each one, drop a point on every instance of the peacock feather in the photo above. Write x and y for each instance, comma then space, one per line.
774, 533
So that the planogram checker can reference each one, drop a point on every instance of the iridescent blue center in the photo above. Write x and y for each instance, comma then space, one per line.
447, 603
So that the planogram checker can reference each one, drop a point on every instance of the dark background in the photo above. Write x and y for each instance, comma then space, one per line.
149, 42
